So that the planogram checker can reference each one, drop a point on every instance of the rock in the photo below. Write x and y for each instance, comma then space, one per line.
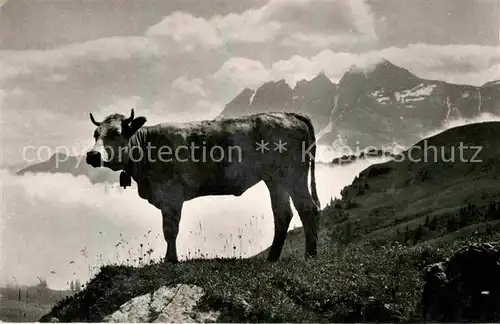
376, 311
166, 305
54, 320
464, 288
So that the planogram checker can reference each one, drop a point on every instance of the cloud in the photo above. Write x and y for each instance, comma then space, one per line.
121, 106
324, 24
363, 19
189, 86
41, 208
478, 77
177, 33
277, 23
161, 111
243, 72
464, 58
207, 109
468, 64
252, 26
12, 92
456, 122
56, 77
200, 109
319, 41
24, 130
16, 63
186, 32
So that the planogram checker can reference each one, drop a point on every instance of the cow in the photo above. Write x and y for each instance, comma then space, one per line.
175, 162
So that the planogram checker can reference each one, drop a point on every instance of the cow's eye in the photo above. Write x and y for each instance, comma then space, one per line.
113, 133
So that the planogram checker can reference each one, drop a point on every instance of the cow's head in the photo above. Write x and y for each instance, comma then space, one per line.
111, 140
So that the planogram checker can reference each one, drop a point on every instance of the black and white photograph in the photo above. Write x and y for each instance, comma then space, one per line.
247, 161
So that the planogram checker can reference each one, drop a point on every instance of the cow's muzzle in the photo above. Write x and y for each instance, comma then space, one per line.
94, 159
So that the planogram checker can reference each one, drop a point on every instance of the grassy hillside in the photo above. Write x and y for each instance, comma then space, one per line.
392, 221
419, 197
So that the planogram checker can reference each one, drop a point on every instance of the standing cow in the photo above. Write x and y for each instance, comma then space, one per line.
176, 162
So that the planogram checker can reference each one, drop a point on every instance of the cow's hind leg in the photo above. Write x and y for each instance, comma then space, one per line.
308, 212
280, 203
171, 218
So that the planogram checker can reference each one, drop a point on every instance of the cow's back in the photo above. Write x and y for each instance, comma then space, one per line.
232, 154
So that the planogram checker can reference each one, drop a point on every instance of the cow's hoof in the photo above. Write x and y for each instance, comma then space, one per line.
273, 258
170, 261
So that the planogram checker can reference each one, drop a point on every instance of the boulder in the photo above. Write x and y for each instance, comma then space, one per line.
376, 311
166, 305
465, 287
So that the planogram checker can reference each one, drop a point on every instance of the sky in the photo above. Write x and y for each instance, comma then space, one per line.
180, 61
184, 60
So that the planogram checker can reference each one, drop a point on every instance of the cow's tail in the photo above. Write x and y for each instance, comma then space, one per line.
308, 122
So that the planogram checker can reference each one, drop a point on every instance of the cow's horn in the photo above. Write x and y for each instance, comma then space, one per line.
93, 120
128, 120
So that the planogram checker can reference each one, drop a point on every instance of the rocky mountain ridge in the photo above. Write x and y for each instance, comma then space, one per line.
371, 108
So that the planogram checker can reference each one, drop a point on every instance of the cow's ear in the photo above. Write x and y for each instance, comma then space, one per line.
135, 125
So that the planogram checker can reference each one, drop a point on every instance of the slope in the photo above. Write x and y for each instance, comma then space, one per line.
360, 263
441, 187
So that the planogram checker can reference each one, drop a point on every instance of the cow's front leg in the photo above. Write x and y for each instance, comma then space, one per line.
171, 219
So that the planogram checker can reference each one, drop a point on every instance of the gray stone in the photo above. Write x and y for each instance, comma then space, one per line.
165, 305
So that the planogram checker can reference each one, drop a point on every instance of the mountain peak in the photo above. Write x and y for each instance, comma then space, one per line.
245, 94
386, 66
321, 74
322, 77
386, 62
383, 74
272, 87
383, 65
